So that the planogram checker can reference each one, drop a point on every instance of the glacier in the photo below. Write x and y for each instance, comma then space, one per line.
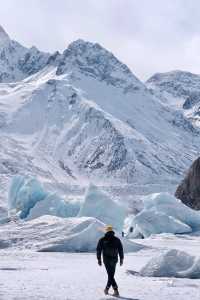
100, 205
24, 193
71, 226
163, 213
64, 235
56, 206
29, 199
152, 222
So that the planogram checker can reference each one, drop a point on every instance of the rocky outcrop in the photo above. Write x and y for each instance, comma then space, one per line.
189, 189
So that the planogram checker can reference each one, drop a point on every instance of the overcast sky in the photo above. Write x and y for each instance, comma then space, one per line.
148, 35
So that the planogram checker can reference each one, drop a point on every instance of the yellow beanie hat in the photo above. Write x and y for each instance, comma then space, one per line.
109, 228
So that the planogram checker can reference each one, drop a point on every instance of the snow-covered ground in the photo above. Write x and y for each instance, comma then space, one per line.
64, 276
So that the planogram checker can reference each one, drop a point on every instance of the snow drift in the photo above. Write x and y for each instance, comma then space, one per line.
64, 235
100, 205
172, 263
163, 213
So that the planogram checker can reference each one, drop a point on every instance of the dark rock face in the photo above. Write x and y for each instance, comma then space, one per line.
189, 189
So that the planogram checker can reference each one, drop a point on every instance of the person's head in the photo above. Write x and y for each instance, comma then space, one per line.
108, 228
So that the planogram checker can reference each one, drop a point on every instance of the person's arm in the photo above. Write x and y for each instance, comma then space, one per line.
121, 252
99, 251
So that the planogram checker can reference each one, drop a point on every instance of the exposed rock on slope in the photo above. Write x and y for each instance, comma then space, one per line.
189, 189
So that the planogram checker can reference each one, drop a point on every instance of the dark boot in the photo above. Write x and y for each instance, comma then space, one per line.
106, 291
116, 293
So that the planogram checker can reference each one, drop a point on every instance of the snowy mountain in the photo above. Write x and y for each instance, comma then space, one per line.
18, 62
94, 61
178, 89
82, 115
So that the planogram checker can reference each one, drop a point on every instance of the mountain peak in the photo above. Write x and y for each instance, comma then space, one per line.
83, 47
3, 34
78, 42
97, 62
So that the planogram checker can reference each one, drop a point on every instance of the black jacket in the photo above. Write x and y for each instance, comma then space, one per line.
111, 247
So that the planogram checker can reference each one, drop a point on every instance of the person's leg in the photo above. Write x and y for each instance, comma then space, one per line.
109, 272
112, 275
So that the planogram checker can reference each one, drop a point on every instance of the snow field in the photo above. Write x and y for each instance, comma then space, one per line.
64, 276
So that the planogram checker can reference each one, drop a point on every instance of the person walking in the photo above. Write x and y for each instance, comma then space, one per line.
111, 247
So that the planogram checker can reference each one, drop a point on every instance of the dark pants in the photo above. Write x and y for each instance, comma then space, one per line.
110, 268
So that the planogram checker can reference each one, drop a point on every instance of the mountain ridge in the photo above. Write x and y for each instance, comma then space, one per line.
179, 89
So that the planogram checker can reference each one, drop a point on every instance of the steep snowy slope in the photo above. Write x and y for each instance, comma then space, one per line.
178, 89
84, 116
155, 132
122, 138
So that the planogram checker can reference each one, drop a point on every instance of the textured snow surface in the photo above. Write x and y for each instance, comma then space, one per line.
163, 213
98, 204
173, 263
54, 234
27, 275
168, 264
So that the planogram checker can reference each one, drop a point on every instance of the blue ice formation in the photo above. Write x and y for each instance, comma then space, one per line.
24, 193
163, 213
28, 197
